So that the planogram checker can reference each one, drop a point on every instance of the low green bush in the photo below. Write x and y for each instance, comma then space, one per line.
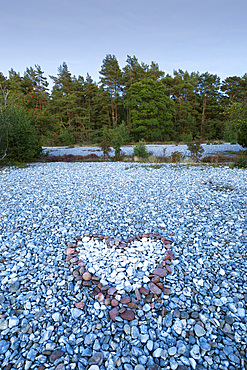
19, 138
140, 150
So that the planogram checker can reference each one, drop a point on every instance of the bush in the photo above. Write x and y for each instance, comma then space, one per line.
140, 150
20, 137
241, 161
176, 157
105, 144
196, 150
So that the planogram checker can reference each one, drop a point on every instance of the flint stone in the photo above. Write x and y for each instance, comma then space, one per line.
56, 355
159, 272
199, 330
96, 359
154, 289
128, 315
76, 313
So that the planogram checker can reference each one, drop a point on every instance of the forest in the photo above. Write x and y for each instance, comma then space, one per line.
137, 102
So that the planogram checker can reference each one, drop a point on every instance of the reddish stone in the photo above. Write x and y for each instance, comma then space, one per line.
154, 288
166, 257
81, 270
78, 278
125, 300
55, 355
164, 312
159, 272
155, 279
80, 304
100, 297
138, 294
87, 276
75, 273
132, 305
70, 251
144, 291
15, 230
152, 305
80, 263
87, 283
104, 288
113, 313
107, 301
149, 298
128, 315
167, 291
160, 285
111, 291
168, 269
170, 253
114, 302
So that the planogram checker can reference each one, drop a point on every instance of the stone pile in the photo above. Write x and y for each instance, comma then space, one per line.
107, 295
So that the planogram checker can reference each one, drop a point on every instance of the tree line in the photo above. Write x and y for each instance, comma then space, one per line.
137, 102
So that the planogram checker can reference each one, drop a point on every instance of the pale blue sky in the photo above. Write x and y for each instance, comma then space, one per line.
197, 35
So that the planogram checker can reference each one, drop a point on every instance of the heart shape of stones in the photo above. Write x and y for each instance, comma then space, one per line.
107, 294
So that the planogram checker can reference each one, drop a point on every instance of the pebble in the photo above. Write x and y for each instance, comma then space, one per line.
187, 312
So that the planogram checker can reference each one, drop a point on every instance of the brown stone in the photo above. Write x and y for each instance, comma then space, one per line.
80, 304
75, 273
167, 257
167, 291
114, 302
168, 269
159, 272
81, 270
125, 300
128, 315
15, 230
55, 355
144, 291
164, 312
87, 276
154, 288
132, 305
113, 313
160, 285
138, 294
87, 283
149, 298
155, 279
111, 290
107, 301
104, 288
78, 278
39, 368
100, 297
70, 251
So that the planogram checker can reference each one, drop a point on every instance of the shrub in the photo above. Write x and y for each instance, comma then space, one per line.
196, 150
241, 161
140, 150
21, 140
176, 157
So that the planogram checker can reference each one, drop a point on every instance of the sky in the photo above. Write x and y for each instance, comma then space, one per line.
193, 35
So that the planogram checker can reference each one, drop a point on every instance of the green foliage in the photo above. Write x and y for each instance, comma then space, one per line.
140, 150
241, 161
105, 144
120, 136
23, 142
236, 125
196, 150
150, 110
176, 157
